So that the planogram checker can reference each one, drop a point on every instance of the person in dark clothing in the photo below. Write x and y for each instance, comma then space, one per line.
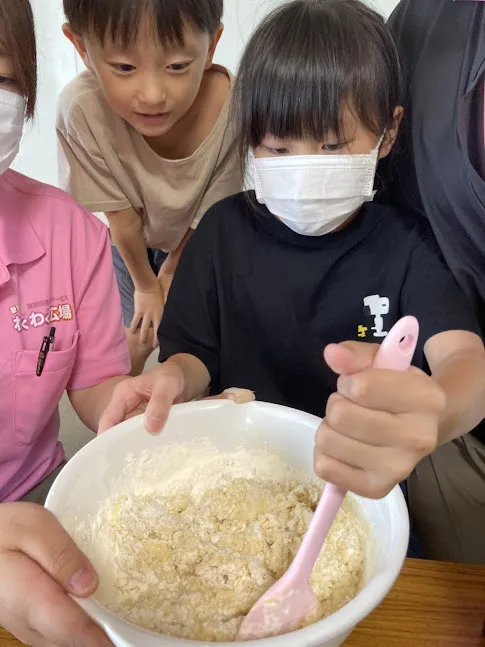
437, 169
438, 165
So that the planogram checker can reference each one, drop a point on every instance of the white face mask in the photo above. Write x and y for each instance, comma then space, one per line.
315, 194
12, 115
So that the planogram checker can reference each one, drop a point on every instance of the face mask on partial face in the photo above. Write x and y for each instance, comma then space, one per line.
12, 114
315, 194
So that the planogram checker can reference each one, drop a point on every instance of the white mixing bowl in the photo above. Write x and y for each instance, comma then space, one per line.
85, 483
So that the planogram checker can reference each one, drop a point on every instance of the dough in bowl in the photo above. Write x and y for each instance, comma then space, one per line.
190, 538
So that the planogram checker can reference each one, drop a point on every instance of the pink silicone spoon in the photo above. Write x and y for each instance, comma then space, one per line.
282, 608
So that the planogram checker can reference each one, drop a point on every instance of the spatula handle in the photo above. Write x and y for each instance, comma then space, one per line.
395, 353
397, 350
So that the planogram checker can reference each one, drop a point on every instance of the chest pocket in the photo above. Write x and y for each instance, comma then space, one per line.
36, 399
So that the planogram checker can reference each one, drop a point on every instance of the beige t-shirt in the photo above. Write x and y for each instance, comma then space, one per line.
108, 166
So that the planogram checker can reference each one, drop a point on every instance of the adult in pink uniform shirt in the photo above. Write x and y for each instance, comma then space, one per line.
55, 270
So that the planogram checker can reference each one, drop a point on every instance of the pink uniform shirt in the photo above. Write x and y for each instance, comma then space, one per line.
55, 270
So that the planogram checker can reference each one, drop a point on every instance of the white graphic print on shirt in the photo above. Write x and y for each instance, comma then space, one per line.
378, 307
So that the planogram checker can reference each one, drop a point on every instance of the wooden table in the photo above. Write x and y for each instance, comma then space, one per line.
432, 605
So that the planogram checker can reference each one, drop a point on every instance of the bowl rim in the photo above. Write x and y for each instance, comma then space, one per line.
338, 624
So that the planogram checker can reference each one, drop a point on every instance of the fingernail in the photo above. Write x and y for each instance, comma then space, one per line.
152, 424
82, 582
344, 385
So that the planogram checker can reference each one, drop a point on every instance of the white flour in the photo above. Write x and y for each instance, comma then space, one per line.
190, 538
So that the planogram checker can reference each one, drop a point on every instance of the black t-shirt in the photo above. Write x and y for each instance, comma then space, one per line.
438, 164
257, 303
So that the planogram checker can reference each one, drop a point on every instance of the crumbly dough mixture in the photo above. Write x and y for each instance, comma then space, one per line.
190, 555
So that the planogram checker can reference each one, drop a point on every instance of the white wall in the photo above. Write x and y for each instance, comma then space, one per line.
241, 17
58, 64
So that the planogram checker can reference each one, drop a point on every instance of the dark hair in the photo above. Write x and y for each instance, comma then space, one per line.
120, 20
17, 40
307, 61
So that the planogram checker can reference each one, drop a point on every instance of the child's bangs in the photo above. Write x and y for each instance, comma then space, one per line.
123, 25
294, 103
120, 21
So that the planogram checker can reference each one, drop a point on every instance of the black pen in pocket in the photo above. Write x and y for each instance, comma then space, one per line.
47, 344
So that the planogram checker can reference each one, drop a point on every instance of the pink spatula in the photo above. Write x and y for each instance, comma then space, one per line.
282, 608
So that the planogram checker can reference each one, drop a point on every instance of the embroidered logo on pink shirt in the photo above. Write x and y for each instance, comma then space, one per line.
60, 313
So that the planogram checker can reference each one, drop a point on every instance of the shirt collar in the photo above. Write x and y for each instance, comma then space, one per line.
19, 242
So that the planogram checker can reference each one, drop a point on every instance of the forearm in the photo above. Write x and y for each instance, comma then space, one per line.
462, 377
90, 404
196, 377
127, 234
172, 260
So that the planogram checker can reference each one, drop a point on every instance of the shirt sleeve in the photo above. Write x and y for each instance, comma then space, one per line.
431, 294
102, 350
83, 171
190, 321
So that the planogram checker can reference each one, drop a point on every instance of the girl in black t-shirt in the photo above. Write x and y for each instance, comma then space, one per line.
273, 278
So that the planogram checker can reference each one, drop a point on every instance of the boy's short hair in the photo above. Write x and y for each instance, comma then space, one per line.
119, 20
17, 40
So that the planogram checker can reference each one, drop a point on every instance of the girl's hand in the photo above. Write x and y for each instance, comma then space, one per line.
152, 393
149, 307
378, 425
40, 565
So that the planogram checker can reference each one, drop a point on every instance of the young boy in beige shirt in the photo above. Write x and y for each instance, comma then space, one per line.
144, 138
